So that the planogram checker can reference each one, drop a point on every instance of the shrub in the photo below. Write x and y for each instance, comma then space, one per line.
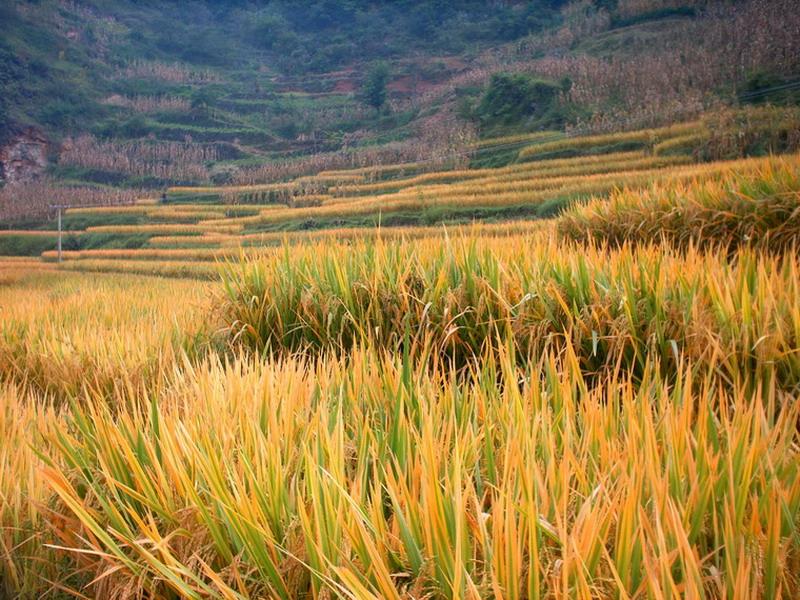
514, 99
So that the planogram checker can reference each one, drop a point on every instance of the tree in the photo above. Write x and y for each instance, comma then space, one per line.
201, 101
373, 90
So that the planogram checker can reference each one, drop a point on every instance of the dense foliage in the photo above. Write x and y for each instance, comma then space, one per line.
57, 62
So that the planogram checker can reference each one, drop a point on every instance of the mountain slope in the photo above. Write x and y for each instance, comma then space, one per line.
147, 94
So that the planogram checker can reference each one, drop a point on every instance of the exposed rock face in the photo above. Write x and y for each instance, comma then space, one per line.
24, 158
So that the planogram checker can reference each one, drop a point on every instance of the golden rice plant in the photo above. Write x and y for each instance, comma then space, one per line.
343, 234
183, 241
620, 161
536, 136
378, 477
181, 269
150, 254
61, 332
130, 209
26, 564
167, 228
331, 177
685, 144
263, 187
761, 209
642, 136
244, 220
617, 308
16, 268
376, 170
180, 214
531, 191
147, 209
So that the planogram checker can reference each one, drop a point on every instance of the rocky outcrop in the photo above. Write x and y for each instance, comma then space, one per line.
24, 158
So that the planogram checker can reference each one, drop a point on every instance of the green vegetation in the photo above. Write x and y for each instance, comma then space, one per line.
514, 102
278, 90
373, 90
34, 245
186, 50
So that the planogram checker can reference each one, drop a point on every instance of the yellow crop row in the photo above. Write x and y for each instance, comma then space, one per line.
374, 170
161, 268
240, 221
147, 209
534, 137
525, 191
620, 161
178, 214
150, 254
35, 233
584, 142
165, 229
231, 246
330, 177
681, 142
205, 240
488, 230
263, 187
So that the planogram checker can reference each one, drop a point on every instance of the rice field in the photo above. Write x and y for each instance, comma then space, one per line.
182, 269
521, 138
460, 417
759, 210
592, 143
522, 191
600, 404
403, 200
614, 162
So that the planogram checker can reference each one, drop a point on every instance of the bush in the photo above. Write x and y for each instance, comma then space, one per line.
515, 98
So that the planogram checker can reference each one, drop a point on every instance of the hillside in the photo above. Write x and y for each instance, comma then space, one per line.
249, 79
151, 94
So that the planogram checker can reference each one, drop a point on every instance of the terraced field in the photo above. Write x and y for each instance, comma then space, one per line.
408, 300
572, 376
197, 227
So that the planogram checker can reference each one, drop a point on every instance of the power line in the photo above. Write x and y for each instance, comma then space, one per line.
792, 85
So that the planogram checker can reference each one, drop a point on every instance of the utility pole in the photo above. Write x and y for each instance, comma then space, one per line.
59, 208
59, 234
